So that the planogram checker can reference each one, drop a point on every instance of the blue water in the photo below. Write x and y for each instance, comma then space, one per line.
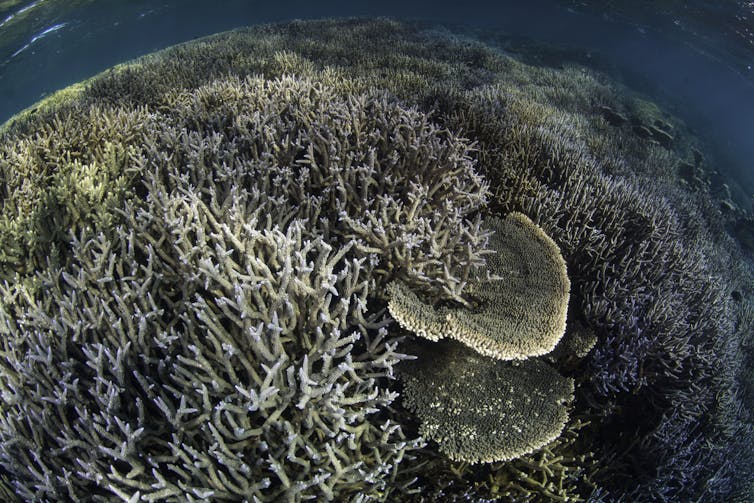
48, 44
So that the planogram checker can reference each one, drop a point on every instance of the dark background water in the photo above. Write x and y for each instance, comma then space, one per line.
696, 57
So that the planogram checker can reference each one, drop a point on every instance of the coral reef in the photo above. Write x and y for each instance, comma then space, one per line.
642, 277
245, 362
56, 181
519, 306
480, 409
471, 400
197, 247
191, 393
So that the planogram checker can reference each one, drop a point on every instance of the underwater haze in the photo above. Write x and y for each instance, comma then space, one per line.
376, 251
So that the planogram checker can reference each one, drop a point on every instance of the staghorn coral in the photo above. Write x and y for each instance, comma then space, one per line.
342, 163
480, 409
360, 167
236, 368
245, 362
519, 309
197, 392
56, 181
627, 228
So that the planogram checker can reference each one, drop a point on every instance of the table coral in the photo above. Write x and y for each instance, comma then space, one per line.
480, 409
520, 302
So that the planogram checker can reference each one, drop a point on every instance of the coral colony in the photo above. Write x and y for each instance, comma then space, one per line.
364, 260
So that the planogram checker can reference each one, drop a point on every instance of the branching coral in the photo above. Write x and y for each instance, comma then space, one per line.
244, 362
359, 168
235, 368
416, 113
57, 179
